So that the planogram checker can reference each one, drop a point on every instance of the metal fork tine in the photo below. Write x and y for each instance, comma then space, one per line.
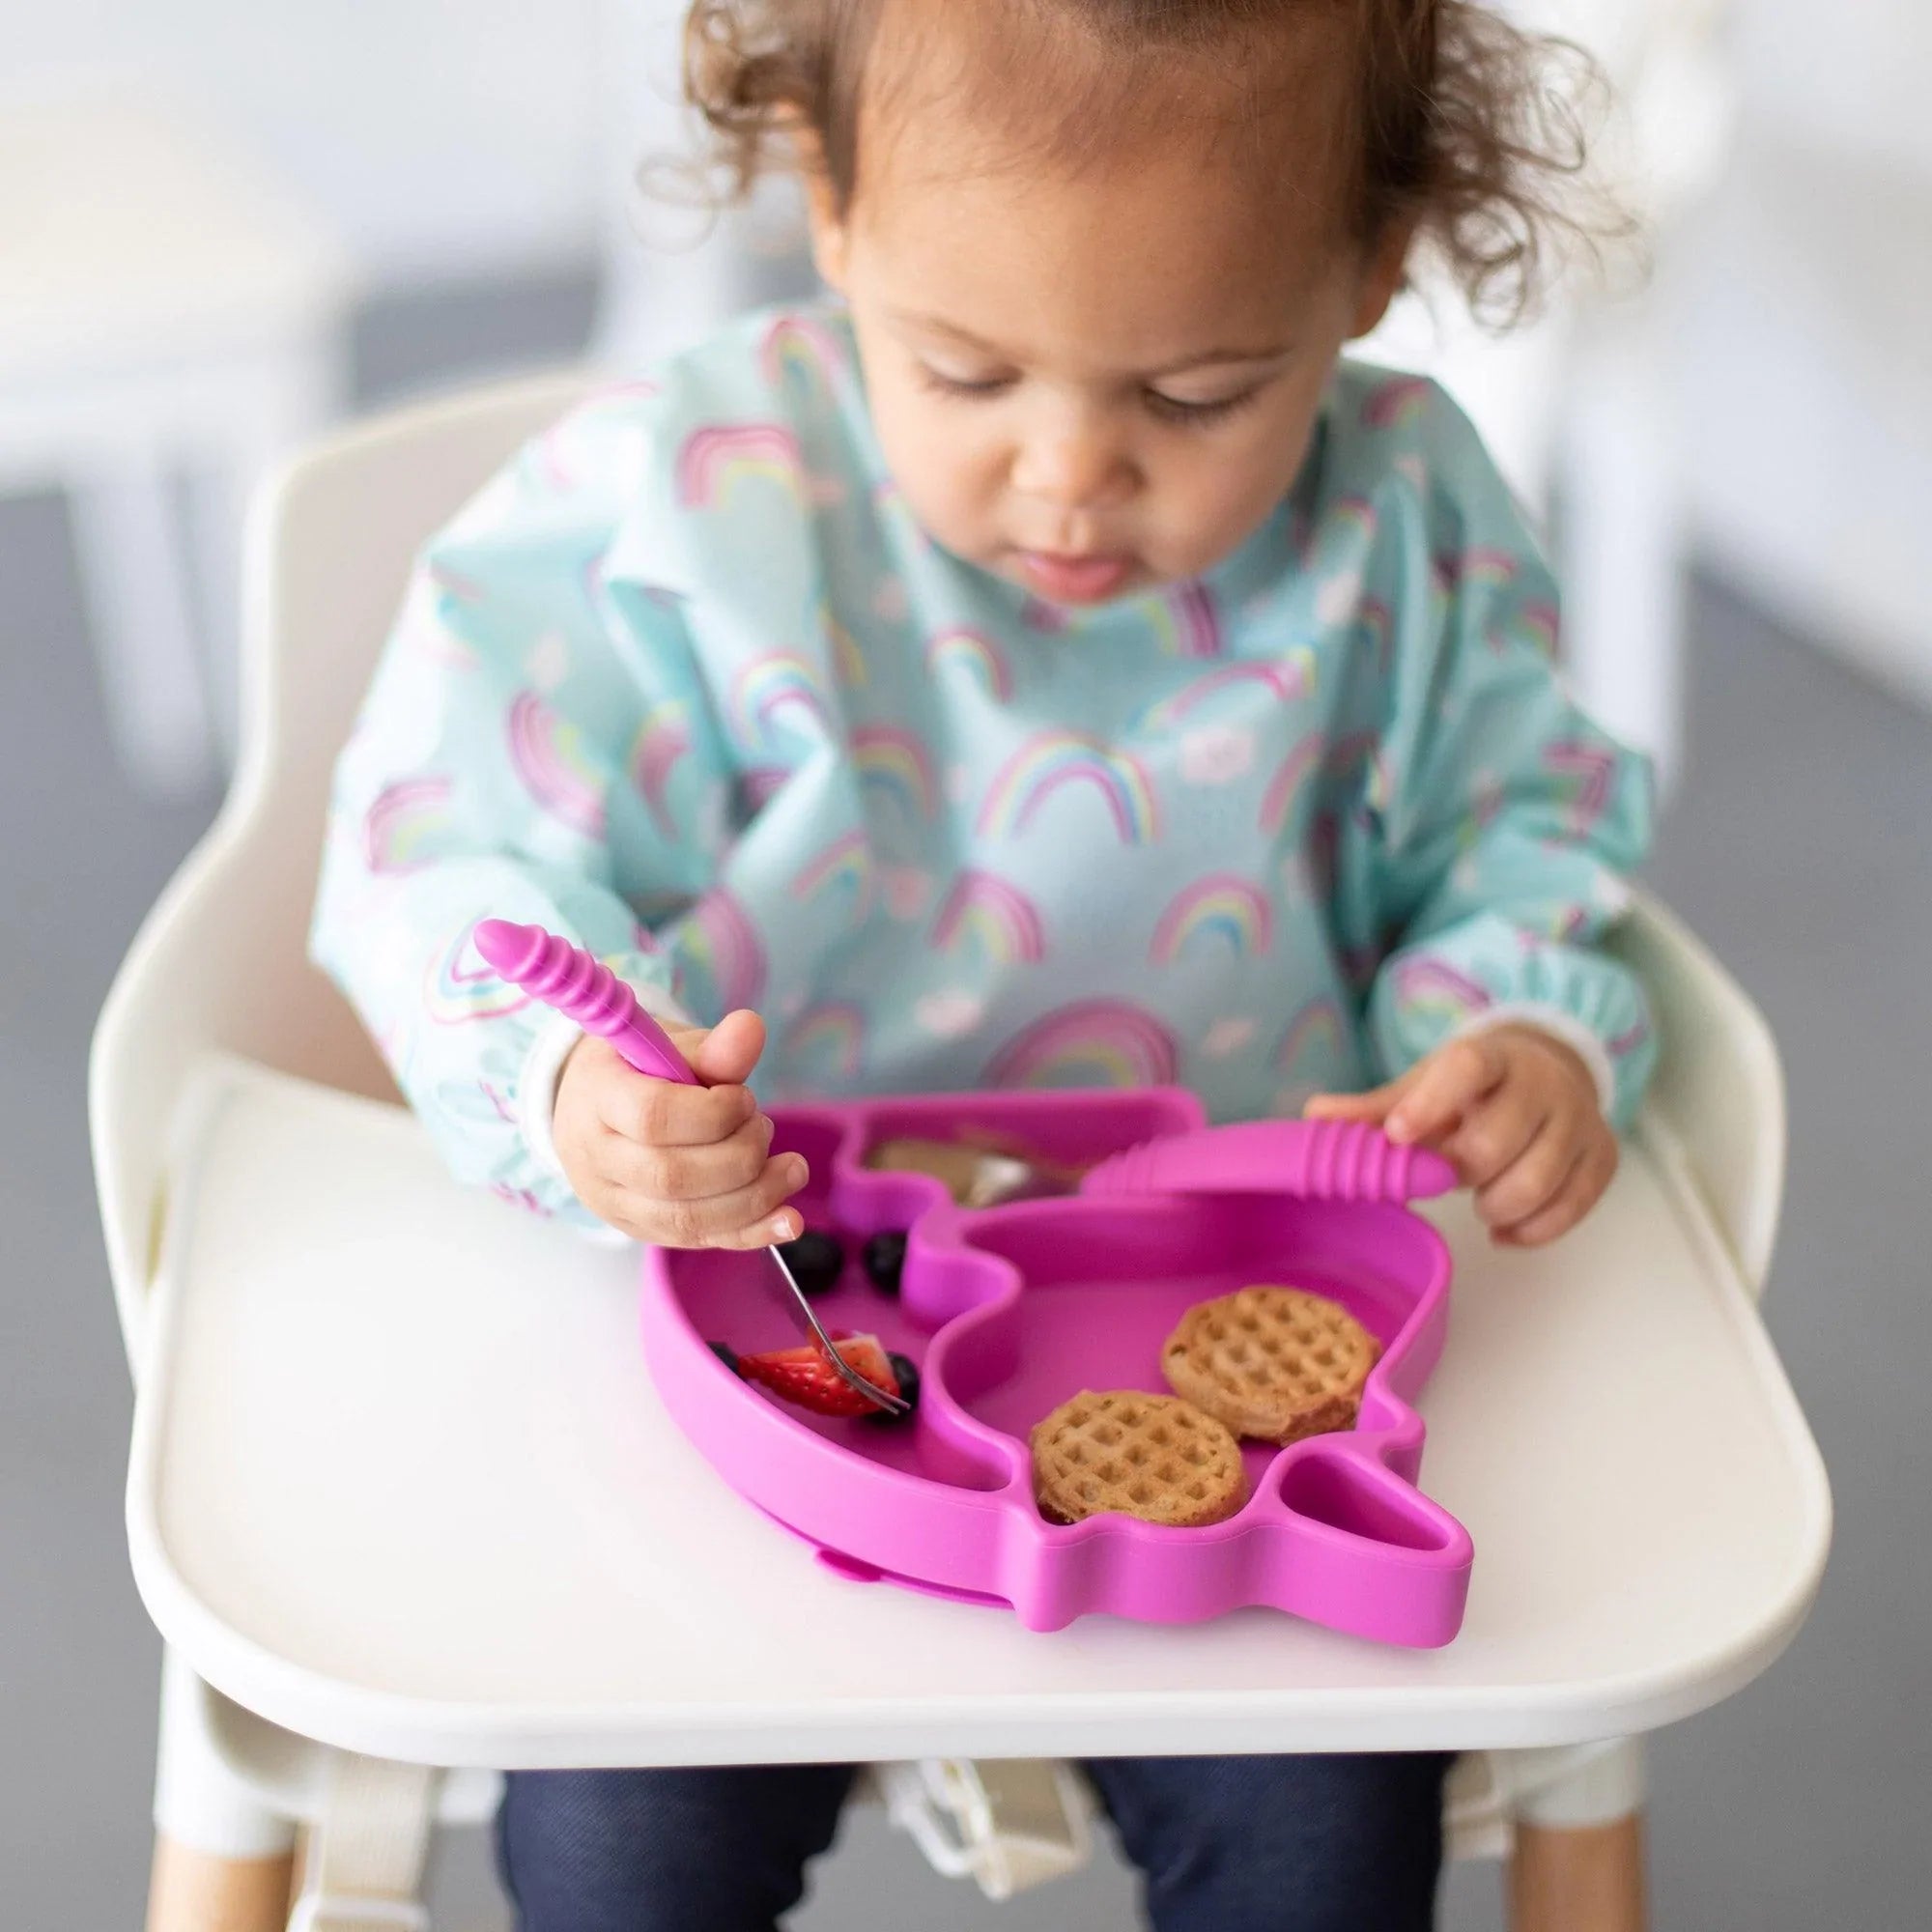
892, 1404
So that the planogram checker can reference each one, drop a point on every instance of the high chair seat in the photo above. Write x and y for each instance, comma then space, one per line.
400, 1482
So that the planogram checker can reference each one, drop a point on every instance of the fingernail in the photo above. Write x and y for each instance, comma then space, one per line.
784, 1228
1400, 1128
797, 1172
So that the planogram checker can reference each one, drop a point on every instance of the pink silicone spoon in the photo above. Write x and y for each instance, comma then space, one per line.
565, 977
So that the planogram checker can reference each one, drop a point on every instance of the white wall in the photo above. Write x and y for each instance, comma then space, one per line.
1804, 356
442, 136
1853, 75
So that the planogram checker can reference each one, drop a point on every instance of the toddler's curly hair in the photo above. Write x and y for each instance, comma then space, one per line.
1464, 127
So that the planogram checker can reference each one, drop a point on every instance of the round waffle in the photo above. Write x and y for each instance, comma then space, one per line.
1275, 1364
1146, 1455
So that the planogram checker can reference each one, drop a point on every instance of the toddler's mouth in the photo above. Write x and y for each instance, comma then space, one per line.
1081, 579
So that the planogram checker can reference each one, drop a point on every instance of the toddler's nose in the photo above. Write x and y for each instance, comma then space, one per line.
1074, 465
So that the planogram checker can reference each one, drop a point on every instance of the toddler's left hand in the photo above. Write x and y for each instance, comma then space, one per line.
1517, 1112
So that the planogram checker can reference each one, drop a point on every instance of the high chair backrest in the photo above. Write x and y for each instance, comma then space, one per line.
220, 963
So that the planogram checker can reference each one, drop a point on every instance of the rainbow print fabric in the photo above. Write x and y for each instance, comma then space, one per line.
686, 683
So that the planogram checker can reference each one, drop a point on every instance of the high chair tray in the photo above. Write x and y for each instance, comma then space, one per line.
400, 1482
1010, 1311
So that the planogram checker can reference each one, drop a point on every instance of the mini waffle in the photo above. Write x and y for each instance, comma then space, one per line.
1146, 1455
1275, 1364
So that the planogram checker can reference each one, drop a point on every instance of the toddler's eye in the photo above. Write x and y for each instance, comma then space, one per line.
1197, 415
962, 385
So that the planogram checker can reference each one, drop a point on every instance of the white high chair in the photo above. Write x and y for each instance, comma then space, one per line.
404, 1518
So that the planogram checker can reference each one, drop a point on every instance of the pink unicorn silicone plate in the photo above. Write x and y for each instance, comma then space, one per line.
1010, 1310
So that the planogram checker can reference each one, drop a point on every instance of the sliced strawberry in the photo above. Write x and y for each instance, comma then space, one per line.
806, 1376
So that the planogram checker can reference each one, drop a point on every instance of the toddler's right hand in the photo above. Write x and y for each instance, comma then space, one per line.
679, 1167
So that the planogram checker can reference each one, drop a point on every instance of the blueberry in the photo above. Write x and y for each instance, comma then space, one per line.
885, 1259
724, 1355
816, 1262
907, 1378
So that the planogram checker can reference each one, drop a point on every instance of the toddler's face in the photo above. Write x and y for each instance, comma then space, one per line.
1090, 384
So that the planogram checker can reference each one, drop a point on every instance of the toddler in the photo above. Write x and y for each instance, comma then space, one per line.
1045, 662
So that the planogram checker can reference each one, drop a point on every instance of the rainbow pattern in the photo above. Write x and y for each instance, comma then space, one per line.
1376, 622
1626, 1043
716, 460
1219, 906
1432, 988
832, 1033
548, 453
459, 988
1394, 404
1490, 567
403, 816
663, 739
846, 862
894, 513
721, 941
894, 761
1091, 1044
979, 655
1486, 799
995, 914
1284, 788
452, 582
546, 753
761, 784
767, 687
439, 645
1187, 621
1287, 679
1353, 520
1544, 622
1591, 771
799, 345
520, 1198
849, 661
1319, 1024
1049, 760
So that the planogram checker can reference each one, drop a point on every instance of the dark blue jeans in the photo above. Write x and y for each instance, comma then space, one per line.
1226, 1844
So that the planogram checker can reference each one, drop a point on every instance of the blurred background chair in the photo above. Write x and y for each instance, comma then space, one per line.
167, 316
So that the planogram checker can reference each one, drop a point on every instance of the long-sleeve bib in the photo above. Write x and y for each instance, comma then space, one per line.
687, 683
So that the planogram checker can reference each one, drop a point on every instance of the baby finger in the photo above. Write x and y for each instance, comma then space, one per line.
1493, 1136
1582, 1192
1530, 1181
747, 1217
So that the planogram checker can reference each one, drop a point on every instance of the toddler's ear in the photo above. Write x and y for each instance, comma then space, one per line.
821, 207
1383, 267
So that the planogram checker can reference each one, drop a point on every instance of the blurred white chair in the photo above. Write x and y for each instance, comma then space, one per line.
671, 272
165, 314
217, 977
1577, 405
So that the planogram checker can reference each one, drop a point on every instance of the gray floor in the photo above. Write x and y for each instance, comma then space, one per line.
1799, 846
